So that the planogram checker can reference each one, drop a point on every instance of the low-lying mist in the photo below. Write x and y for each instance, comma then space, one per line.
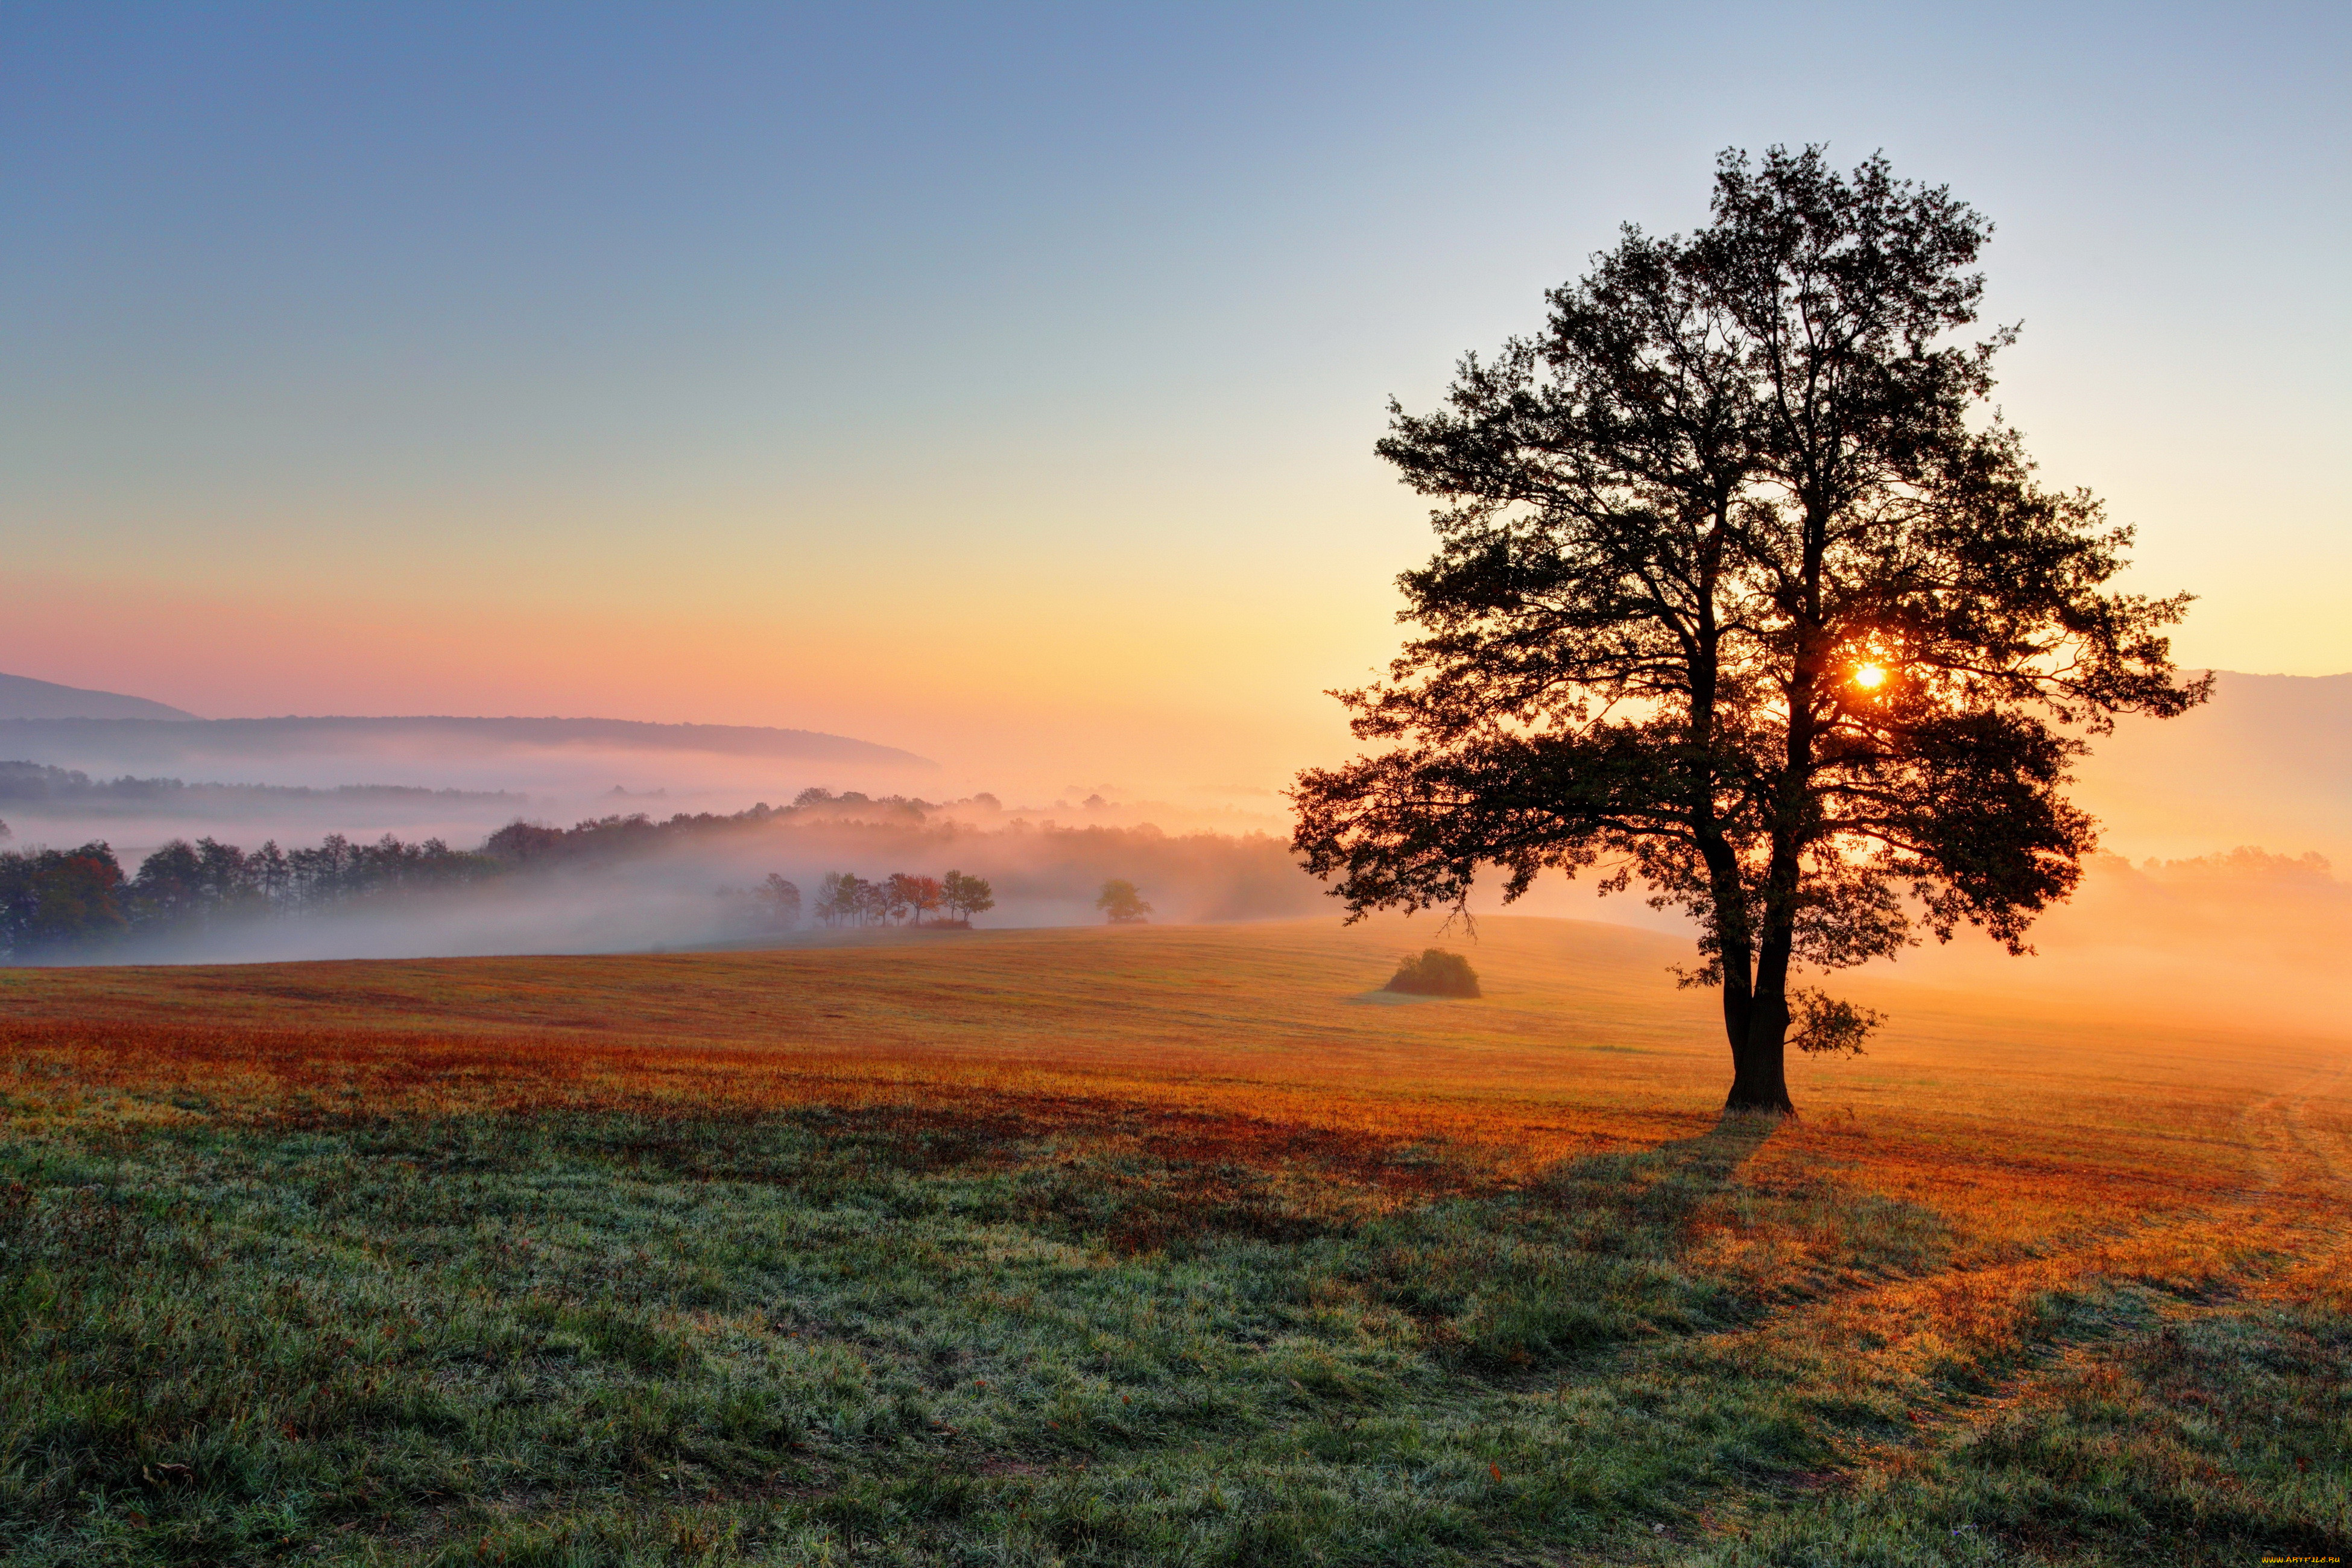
2242, 937
627, 882
2245, 939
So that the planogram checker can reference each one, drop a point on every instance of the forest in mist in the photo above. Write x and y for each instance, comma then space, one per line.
2243, 935
616, 881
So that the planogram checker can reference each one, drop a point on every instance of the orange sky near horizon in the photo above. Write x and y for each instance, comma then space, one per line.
1003, 387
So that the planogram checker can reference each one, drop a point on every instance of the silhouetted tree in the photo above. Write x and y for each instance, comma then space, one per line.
227, 875
1121, 903
169, 888
266, 870
523, 842
1740, 596
1434, 972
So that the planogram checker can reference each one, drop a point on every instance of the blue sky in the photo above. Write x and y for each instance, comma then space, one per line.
1001, 381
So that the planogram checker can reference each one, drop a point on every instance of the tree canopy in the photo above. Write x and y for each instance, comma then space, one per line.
1744, 594
1121, 903
967, 896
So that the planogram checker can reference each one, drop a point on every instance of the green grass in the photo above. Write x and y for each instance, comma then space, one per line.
598, 1341
844, 1338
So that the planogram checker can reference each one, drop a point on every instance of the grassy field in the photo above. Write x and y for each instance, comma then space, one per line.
1149, 1245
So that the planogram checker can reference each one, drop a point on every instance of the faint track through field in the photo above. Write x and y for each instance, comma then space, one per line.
1906, 1343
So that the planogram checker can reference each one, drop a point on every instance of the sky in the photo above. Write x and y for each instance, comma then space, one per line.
1001, 382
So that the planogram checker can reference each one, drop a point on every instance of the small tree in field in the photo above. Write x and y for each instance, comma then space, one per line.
778, 901
1119, 901
967, 896
1742, 594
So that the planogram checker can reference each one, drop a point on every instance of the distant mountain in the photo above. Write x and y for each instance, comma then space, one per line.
23, 698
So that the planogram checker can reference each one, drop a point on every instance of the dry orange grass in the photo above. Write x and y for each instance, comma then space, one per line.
2038, 1135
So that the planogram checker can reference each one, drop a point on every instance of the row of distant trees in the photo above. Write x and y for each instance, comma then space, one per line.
58, 899
54, 898
846, 899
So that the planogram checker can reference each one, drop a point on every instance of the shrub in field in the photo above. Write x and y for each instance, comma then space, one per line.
1435, 972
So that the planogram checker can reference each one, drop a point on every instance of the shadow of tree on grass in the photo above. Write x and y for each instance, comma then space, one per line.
1592, 1253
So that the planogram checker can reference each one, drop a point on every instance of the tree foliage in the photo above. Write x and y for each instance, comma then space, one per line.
967, 896
844, 897
59, 901
1743, 595
1121, 903
53, 900
778, 901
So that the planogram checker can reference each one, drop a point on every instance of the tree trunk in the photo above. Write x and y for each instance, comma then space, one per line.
1758, 1058
1760, 1078
1759, 1053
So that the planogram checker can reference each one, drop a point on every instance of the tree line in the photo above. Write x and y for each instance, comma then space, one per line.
55, 903
846, 899
58, 900
53, 899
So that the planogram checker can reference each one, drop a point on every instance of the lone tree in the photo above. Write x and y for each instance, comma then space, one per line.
1744, 595
1121, 904
778, 901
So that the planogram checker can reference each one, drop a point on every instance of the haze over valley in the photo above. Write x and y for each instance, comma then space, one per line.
2220, 886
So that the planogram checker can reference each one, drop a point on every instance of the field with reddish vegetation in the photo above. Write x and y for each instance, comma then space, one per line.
1151, 1245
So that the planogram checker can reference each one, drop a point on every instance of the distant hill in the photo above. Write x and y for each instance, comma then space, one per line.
32, 784
2268, 762
23, 698
151, 741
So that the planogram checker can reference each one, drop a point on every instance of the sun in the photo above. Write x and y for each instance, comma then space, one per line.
1869, 676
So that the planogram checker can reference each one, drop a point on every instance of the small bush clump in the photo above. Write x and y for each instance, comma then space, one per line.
1435, 972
